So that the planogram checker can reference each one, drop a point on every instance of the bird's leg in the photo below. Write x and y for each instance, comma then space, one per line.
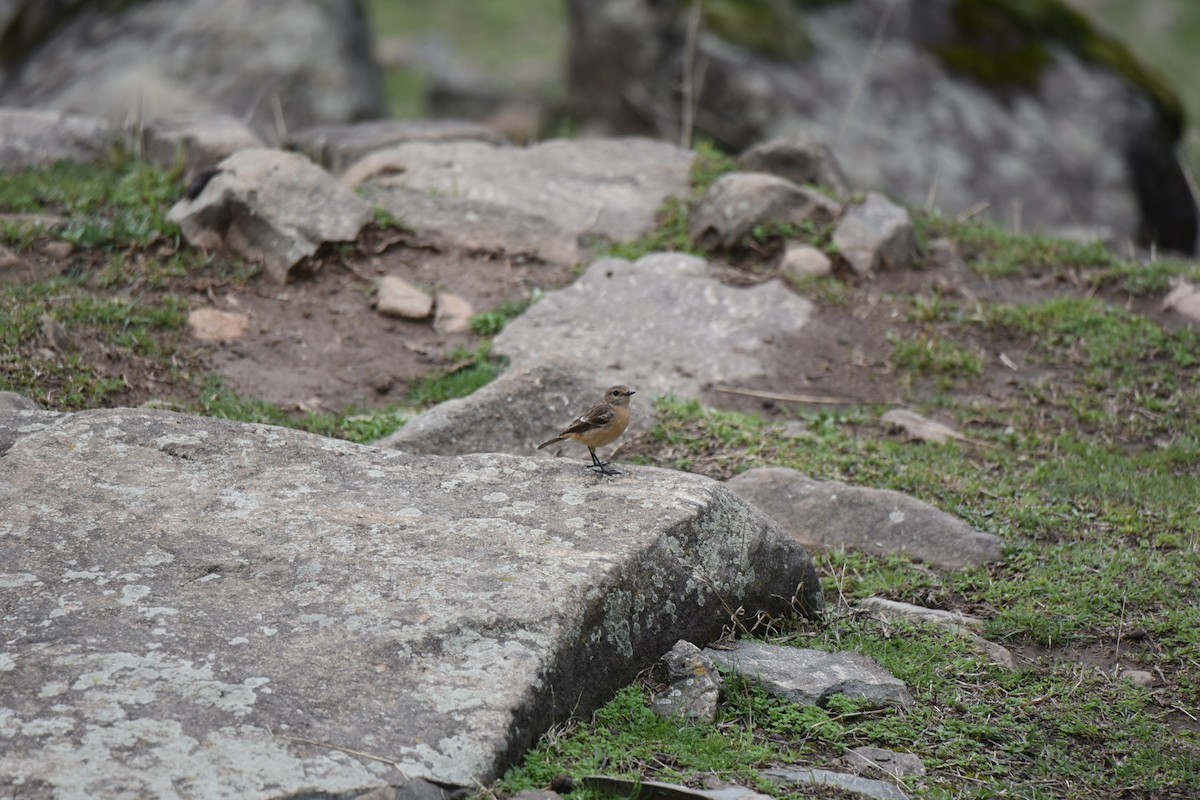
600, 465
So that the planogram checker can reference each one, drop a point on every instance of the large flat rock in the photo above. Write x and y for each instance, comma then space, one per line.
552, 193
663, 324
202, 608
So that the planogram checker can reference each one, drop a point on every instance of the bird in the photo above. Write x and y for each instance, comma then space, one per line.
601, 425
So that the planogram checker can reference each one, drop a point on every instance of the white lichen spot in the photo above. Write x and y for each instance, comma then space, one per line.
12, 580
7, 662
239, 640
573, 498
131, 594
267, 631
896, 517
575, 523
53, 689
495, 497
410, 512
54, 726
155, 557
521, 508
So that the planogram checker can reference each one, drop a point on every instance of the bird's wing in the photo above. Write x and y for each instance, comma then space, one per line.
597, 416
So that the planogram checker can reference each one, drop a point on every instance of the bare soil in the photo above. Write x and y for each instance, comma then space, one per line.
318, 344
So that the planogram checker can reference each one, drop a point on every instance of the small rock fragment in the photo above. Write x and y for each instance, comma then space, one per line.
396, 297
849, 783
959, 624
876, 235
810, 677
55, 334
741, 201
1138, 677
876, 760
693, 684
799, 159
804, 261
453, 314
217, 327
920, 427
1184, 299
58, 250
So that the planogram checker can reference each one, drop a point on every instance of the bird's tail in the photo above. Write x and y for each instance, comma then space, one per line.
552, 441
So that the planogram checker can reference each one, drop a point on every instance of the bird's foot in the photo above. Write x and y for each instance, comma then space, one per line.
602, 466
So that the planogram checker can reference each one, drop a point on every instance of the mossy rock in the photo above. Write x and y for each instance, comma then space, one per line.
1007, 44
773, 28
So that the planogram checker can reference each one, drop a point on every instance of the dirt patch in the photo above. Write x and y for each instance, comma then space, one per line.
318, 344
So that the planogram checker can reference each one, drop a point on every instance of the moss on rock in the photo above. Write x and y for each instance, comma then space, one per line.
1007, 43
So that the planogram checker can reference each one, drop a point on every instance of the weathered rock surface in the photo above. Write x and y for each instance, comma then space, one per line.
199, 143
692, 685
603, 188
811, 677
922, 428
453, 313
528, 404
396, 297
804, 261
871, 760
11, 401
1076, 142
798, 159
962, 625
197, 606
31, 138
832, 515
875, 235
867, 787
273, 207
337, 146
612, 319
738, 202
278, 64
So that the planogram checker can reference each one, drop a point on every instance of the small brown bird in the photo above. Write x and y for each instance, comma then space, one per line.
601, 425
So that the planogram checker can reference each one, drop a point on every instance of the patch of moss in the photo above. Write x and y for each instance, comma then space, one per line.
1006, 44
773, 28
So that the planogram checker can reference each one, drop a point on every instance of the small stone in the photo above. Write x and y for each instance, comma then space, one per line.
453, 314
876, 235
811, 677
11, 401
1184, 299
217, 327
740, 201
1138, 677
55, 334
802, 160
881, 790
396, 297
876, 760
58, 250
804, 260
693, 684
919, 427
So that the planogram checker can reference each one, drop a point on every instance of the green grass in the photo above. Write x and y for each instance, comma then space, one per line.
1102, 545
118, 203
354, 425
490, 323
